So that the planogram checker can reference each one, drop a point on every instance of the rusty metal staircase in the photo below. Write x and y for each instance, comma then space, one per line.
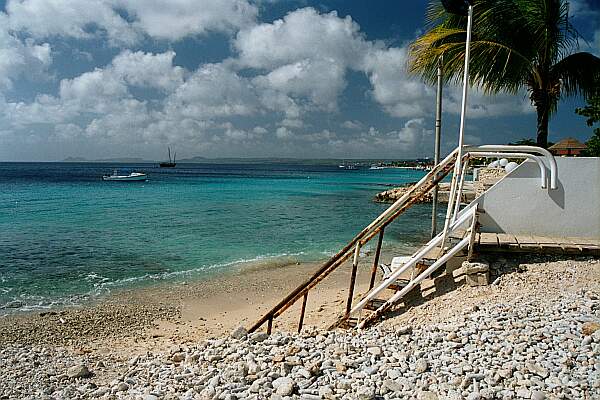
414, 195
371, 307
457, 236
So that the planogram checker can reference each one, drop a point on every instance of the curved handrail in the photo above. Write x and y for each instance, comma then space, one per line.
524, 149
533, 157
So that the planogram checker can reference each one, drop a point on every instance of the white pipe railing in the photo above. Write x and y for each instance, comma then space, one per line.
464, 217
458, 199
538, 160
445, 258
459, 217
522, 149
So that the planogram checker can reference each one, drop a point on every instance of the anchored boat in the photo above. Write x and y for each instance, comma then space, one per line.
131, 177
169, 164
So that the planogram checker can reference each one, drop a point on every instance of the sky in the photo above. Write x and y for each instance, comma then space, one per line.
239, 78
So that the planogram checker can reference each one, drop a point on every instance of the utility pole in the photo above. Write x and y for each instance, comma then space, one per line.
438, 131
465, 8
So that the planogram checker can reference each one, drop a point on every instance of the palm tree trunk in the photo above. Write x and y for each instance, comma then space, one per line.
542, 127
542, 106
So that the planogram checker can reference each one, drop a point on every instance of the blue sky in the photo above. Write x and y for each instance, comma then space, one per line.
237, 78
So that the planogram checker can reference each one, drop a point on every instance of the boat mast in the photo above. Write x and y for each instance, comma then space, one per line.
169, 154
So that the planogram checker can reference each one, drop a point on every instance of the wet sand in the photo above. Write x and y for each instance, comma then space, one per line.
158, 317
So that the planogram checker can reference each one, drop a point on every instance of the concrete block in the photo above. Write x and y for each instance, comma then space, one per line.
478, 279
473, 267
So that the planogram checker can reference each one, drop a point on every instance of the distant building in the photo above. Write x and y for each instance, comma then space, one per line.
567, 147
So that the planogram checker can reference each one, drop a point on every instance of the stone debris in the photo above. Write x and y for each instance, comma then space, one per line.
540, 345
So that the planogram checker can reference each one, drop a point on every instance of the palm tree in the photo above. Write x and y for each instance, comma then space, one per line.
515, 44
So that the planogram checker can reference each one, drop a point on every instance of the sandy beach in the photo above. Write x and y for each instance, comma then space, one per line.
156, 317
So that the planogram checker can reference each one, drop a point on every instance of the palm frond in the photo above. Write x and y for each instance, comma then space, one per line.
579, 74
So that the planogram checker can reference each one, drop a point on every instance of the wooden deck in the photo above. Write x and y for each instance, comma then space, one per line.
503, 242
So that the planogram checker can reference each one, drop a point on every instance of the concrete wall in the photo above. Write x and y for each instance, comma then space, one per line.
518, 205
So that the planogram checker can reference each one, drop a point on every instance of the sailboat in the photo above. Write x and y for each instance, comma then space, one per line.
169, 164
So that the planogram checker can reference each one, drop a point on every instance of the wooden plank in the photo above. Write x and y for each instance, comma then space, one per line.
544, 240
488, 239
571, 243
505, 240
527, 242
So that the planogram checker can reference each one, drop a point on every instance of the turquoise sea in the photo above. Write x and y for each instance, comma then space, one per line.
66, 236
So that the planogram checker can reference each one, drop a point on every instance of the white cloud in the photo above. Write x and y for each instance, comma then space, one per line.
400, 95
79, 19
351, 124
284, 133
318, 81
149, 70
259, 130
213, 91
175, 19
161, 19
292, 123
302, 68
404, 96
480, 105
19, 58
300, 35
102, 96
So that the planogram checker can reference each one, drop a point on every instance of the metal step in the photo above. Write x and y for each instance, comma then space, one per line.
399, 284
348, 323
374, 304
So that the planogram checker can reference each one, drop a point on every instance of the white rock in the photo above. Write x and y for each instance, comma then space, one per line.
78, 371
239, 333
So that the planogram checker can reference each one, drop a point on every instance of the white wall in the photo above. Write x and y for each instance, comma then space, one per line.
518, 205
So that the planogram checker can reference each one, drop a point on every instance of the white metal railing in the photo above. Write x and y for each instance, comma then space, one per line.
506, 150
538, 160
455, 218
522, 149
432, 244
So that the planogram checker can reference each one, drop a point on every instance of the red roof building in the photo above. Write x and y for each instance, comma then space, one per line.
567, 147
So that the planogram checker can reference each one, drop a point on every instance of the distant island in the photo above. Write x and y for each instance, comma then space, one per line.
108, 160
363, 162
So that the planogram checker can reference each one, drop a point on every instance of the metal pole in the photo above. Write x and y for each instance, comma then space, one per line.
457, 165
438, 130
376, 260
302, 312
352, 279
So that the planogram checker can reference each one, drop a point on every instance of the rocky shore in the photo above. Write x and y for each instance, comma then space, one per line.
391, 195
532, 334
485, 178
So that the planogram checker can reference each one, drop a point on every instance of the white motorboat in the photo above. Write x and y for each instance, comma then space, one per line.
131, 177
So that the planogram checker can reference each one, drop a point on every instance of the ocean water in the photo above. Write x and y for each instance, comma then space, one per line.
66, 236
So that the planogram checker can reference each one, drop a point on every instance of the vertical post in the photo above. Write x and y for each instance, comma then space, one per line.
376, 260
472, 233
302, 312
269, 325
463, 172
457, 165
436, 154
352, 279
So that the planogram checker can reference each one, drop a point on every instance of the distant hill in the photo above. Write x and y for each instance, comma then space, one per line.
263, 160
74, 159
196, 159
109, 160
